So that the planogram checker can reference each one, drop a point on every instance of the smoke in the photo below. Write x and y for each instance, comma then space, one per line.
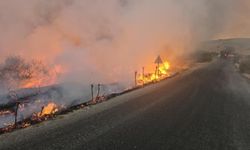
102, 41
212, 19
105, 41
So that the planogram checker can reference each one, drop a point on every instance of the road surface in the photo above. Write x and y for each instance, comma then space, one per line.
204, 109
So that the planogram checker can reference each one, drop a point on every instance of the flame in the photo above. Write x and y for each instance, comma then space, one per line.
50, 79
32, 83
50, 109
164, 68
158, 74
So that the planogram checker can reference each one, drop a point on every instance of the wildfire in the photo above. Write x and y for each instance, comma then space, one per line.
157, 74
45, 80
47, 111
50, 109
32, 83
164, 68
159, 71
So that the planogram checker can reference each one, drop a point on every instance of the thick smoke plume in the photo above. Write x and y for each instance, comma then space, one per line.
105, 41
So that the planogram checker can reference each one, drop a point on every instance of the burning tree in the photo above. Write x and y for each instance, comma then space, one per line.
16, 72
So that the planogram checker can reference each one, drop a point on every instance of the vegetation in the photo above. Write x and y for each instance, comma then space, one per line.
245, 65
204, 56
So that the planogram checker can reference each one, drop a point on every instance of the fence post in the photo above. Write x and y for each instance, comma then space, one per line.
156, 73
143, 72
92, 92
16, 113
98, 91
135, 78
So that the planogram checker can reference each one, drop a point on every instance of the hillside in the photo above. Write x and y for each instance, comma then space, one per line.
241, 45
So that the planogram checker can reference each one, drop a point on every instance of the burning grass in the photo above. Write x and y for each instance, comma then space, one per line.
161, 72
47, 112
45, 107
50, 109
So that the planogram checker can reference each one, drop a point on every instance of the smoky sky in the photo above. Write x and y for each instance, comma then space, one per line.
108, 40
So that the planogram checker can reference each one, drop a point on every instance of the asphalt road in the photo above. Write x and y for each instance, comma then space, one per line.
204, 109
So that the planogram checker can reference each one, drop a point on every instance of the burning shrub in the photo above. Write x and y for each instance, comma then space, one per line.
50, 109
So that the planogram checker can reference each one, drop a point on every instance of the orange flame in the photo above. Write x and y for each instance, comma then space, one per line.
49, 79
50, 109
158, 74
